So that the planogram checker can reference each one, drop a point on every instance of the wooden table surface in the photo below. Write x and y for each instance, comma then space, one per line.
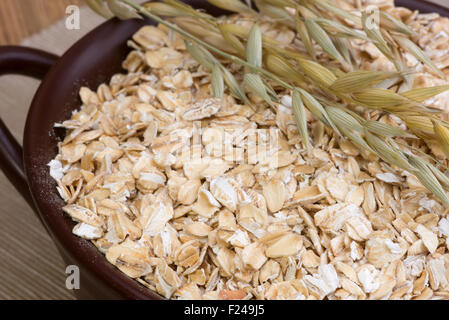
22, 18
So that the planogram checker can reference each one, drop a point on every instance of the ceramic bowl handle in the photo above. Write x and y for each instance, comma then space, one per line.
33, 63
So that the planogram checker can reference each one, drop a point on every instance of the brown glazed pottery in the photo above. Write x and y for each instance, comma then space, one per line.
89, 62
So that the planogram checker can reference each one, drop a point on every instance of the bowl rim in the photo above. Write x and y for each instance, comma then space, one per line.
83, 251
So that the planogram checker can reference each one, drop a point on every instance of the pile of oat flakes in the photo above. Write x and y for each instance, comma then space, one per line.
335, 224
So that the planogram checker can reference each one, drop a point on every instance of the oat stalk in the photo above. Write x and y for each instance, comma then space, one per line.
376, 138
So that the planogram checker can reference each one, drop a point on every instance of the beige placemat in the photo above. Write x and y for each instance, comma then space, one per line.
441, 2
30, 266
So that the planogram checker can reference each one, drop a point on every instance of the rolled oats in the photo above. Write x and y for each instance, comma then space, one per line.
187, 193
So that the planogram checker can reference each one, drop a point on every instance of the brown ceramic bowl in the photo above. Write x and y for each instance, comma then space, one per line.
89, 62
